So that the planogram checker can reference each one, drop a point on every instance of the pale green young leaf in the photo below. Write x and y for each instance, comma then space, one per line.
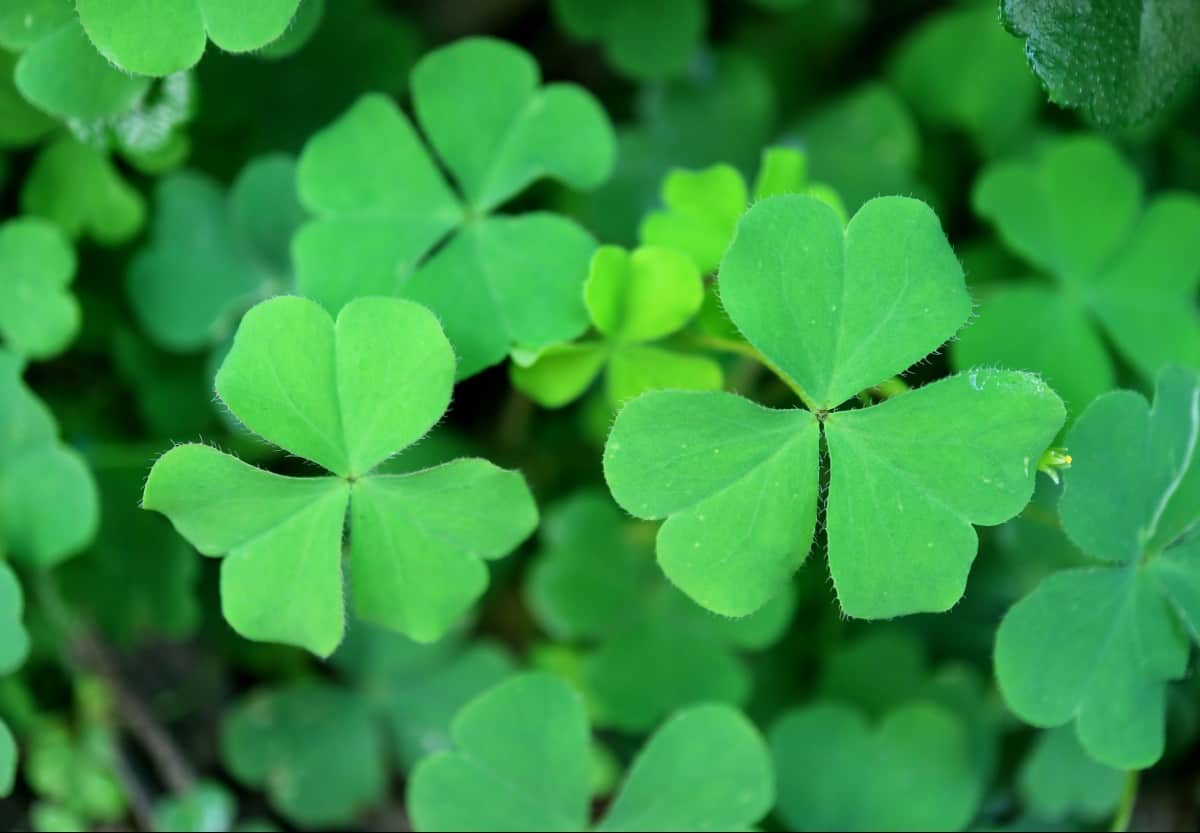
852, 306
911, 771
561, 373
479, 102
311, 747
79, 189
166, 36
74, 771
641, 295
731, 477
417, 541
916, 472
701, 211
39, 316
643, 41
634, 369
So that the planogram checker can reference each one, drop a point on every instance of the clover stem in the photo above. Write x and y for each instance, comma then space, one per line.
1124, 815
742, 348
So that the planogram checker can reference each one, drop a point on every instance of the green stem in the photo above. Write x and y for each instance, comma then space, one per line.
741, 348
1120, 822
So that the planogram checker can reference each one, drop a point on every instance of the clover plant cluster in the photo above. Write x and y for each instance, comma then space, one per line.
599, 415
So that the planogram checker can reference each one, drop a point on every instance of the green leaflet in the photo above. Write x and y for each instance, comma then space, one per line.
346, 395
159, 37
8, 759
1120, 632
645, 649
738, 484
498, 282
14, 641
39, 316
1059, 782
74, 770
79, 189
21, 123
211, 255
1123, 271
205, 808
48, 501
521, 761
643, 41
632, 298
311, 747
1119, 62
911, 771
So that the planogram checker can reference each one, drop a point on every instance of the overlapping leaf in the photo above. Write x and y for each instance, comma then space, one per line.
1123, 271
521, 761
347, 396
79, 189
39, 316
1097, 646
643, 41
381, 203
738, 483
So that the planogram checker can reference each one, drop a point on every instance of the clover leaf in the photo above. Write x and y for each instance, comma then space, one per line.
347, 396
1097, 645
702, 207
311, 747
21, 123
645, 42
212, 255
59, 71
1059, 782
14, 641
632, 298
1119, 62
165, 37
1122, 271
910, 771
836, 310
39, 316
382, 204
989, 94
48, 501
8, 759
522, 761
79, 189
645, 649
74, 769
206, 807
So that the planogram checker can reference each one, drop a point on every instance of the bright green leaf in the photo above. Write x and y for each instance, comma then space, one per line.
14, 641
39, 316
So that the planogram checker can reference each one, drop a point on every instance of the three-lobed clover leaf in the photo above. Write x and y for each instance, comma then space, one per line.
910, 771
166, 36
1119, 62
212, 255
633, 299
48, 501
1097, 645
522, 761
346, 396
312, 747
80, 189
39, 316
837, 310
702, 208
645, 41
1124, 271
382, 204
644, 648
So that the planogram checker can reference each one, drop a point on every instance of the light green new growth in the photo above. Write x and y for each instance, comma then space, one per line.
382, 205
522, 760
633, 298
39, 316
835, 310
1097, 645
346, 395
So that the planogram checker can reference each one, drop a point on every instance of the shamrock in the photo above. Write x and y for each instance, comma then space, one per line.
702, 207
1097, 645
212, 255
646, 649
48, 501
39, 316
632, 298
382, 204
1120, 61
521, 761
642, 41
835, 310
312, 747
78, 188
1122, 271
347, 396
164, 37
910, 771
